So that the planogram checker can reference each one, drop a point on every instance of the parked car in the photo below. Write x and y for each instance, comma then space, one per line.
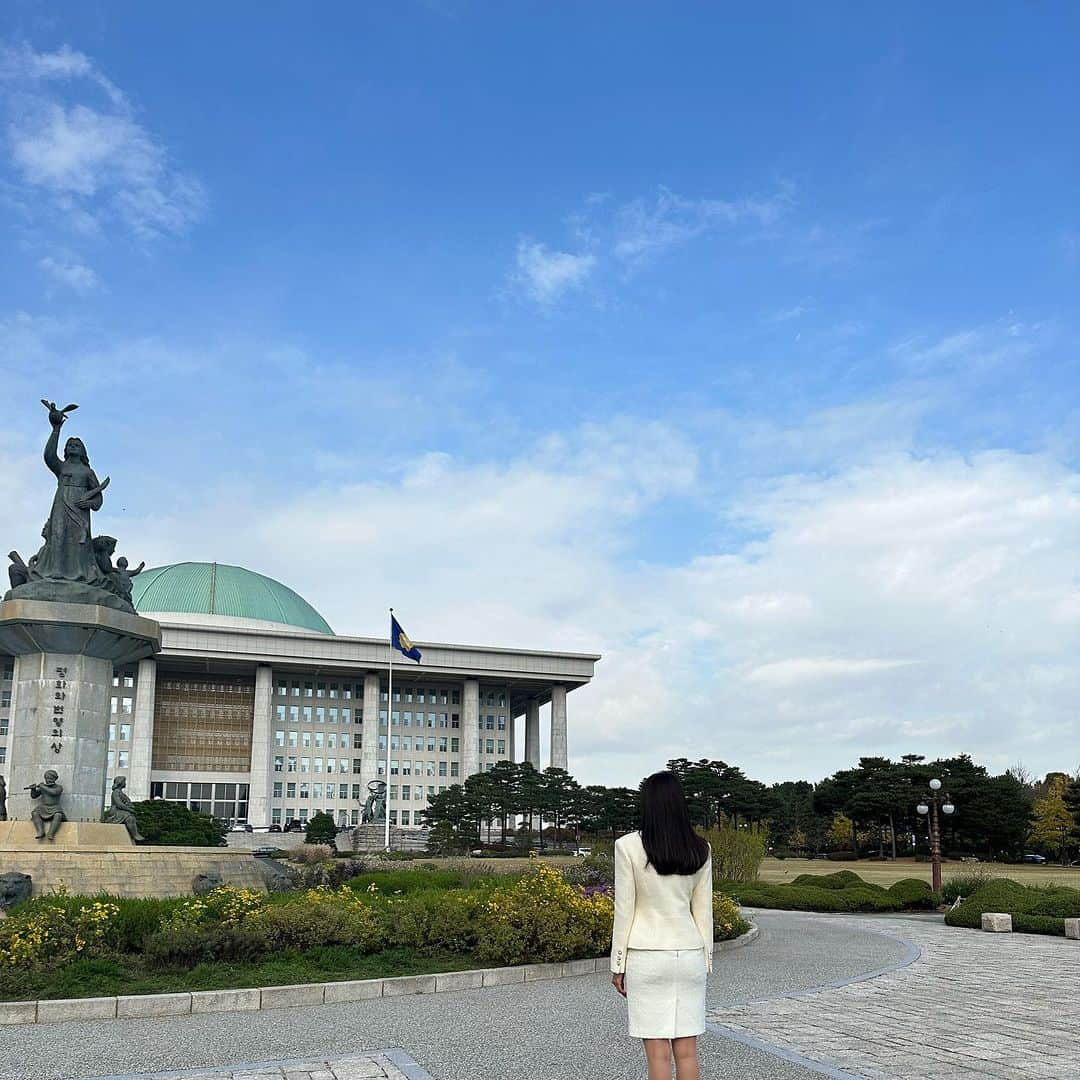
1033, 858
263, 852
581, 852
275, 828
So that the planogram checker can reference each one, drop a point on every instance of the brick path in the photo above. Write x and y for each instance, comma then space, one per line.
970, 1005
385, 1065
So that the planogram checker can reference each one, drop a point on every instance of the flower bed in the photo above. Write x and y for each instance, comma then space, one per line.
405, 922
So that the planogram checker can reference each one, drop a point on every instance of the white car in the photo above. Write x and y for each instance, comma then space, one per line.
582, 852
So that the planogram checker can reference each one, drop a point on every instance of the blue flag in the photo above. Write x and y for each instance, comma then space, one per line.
400, 641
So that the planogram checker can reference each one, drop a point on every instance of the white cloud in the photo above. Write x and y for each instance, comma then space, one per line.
546, 275
75, 136
73, 274
645, 227
884, 604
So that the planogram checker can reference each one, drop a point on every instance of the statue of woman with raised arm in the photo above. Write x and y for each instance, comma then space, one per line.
68, 552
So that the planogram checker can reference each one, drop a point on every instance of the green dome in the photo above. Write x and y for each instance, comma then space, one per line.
219, 589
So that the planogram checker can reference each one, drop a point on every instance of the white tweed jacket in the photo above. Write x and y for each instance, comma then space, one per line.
658, 911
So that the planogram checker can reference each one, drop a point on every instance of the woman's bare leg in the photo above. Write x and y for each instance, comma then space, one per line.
658, 1055
686, 1059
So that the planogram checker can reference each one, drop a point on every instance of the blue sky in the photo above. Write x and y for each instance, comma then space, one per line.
580, 326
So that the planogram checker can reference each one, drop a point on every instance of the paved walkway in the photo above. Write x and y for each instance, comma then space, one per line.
816, 995
963, 1004
389, 1065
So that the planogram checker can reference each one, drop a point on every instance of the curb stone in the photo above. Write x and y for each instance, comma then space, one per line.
256, 999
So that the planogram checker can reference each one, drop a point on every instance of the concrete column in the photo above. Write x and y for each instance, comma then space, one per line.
261, 765
532, 733
369, 752
558, 727
60, 721
511, 732
470, 730
142, 734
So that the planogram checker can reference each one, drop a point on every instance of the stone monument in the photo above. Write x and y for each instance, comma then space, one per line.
67, 619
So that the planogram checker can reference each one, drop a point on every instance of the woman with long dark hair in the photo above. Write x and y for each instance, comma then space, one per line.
662, 940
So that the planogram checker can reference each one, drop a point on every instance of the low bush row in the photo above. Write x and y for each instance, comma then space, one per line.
840, 892
1035, 909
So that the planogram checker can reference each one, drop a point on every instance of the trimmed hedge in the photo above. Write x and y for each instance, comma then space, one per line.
841, 892
1034, 909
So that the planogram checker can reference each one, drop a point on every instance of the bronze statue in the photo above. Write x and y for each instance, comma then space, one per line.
375, 807
68, 554
122, 810
48, 811
72, 565
3, 799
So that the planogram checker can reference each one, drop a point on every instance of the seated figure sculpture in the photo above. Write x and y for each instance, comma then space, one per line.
122, 810
48, 815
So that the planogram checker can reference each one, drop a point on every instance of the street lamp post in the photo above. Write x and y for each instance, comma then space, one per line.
937, 799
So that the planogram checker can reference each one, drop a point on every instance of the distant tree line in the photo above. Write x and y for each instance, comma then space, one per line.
866, 810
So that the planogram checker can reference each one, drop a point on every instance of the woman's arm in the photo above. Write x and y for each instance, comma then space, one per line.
625, 899
52, 459
701, 908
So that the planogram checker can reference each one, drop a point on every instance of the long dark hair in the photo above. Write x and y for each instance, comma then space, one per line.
667, 834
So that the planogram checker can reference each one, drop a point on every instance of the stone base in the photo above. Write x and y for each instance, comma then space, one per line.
1072, 929
996, 922
131, 872
73, 835
69, 592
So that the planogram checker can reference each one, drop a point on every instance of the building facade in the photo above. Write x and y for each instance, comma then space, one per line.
257, 712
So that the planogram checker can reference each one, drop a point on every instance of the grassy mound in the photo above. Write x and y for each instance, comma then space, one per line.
1040, 909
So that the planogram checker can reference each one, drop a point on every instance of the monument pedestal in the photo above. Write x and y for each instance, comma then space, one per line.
64, 657
88, 859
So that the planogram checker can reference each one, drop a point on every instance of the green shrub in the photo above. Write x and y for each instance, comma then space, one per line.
914, 894
1038, 924
841, 879
965, 883
737, 851
184, 947
841, 892
542, 918
435, 922
595, 869
320, 829
1001, 894
162, 822
728, 923
1057, 901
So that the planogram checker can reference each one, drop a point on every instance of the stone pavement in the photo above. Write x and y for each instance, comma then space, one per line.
388, 1065
961, 1004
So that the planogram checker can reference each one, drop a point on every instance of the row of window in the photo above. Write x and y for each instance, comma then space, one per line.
304, 790
420, 695
126, 679
319, 714
318, 739
124, 733
344, 817
122, 705
409, 719
290, 764
320, 690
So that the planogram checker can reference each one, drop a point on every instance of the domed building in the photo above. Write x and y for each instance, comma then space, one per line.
256, 711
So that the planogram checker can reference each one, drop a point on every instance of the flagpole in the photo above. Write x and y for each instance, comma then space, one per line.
389, 718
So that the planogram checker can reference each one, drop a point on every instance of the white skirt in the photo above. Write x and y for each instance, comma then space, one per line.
665, 992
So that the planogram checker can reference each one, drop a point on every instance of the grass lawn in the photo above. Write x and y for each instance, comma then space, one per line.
885, 873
